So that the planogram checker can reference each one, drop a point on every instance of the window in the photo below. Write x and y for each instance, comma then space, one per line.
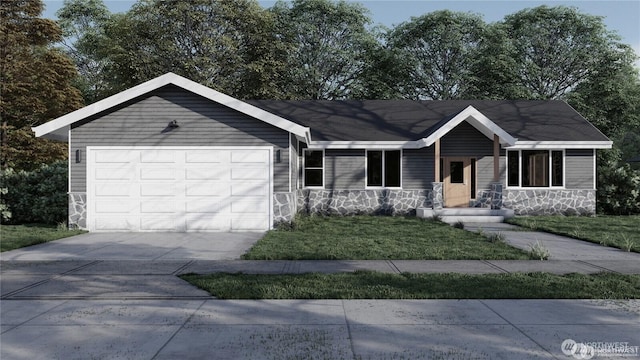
535, 168
313, 168
473, 178
383, 168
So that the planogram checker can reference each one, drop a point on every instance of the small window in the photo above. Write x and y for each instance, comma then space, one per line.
513, 158
383, 168
313, 168
473, 178
557, 171
535, 168
456, 172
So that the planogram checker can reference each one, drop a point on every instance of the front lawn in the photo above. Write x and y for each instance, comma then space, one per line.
374, 285
377, 237
622, 232
17, 236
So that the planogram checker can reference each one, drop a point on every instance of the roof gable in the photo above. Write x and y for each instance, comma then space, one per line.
478, 120
58, 129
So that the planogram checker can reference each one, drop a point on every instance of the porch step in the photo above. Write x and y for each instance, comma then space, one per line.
466, 215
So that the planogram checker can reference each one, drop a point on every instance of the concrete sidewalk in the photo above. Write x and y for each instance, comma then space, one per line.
318, 329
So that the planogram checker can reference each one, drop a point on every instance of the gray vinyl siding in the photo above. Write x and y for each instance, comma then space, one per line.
202, 123
579, 169
344, 169
418, 168
484, 171
465, 140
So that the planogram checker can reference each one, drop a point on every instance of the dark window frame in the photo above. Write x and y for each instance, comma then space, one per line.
306, 168
385, 178
528, 162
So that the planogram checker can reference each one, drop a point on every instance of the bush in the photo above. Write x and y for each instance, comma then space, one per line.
618, 185
38, 196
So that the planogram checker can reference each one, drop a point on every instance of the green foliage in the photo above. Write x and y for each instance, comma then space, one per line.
375, 285
36, 84
38, 196
327, 46
619, 190
18, 236
376, 237
614, 231
5, 213
435, 53
557, 48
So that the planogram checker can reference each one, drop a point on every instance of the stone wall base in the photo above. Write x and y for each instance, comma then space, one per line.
356, 202
550, 201
284, 207
78, 210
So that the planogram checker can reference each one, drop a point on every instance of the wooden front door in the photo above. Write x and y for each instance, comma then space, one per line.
457, 181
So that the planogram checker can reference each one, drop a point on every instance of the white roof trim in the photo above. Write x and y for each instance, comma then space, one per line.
58, 128
362, 145
561, 145
478, 120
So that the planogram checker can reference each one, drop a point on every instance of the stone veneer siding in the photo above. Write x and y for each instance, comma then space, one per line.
284, 207
77, 210
353, 202
550, 201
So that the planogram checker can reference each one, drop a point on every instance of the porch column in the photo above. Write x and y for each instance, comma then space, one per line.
496, 158
437, 161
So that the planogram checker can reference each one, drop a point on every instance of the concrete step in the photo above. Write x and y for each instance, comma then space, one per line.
467, 215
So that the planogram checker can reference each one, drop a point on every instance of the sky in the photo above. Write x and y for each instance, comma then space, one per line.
621, 16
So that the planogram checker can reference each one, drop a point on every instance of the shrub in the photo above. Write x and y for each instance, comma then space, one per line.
38, 196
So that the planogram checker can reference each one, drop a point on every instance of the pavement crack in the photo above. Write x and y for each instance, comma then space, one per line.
517, 328
349, 334
495, 266
178, 330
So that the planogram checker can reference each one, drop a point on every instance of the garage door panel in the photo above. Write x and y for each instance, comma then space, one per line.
248, 222
249, 174
208, 222
249, 156
208, 205
158, 206
208, 188
113, 156
113, 189
157, 189
158, 223
248, 206
208, 173
207, 156
157, 174
120, 173
249, 188
107, 206
107, 223
158, 156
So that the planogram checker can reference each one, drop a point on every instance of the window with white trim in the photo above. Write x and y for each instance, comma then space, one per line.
384, 168
313, 162
535, 168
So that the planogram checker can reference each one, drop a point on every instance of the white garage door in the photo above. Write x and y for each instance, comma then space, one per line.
178, 189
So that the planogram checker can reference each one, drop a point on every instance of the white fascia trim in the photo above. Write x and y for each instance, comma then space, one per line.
478, 120
561, 145
379, 145
53, 127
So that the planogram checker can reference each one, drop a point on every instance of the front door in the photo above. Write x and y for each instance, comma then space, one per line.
457, 178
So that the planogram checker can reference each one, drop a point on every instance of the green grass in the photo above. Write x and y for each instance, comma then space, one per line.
17, 236
375, 285
376, 237
621, 232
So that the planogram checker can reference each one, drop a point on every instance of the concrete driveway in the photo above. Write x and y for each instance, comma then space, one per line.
117, 296
140, 246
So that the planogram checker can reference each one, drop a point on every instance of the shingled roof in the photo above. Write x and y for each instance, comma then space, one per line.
407, 120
